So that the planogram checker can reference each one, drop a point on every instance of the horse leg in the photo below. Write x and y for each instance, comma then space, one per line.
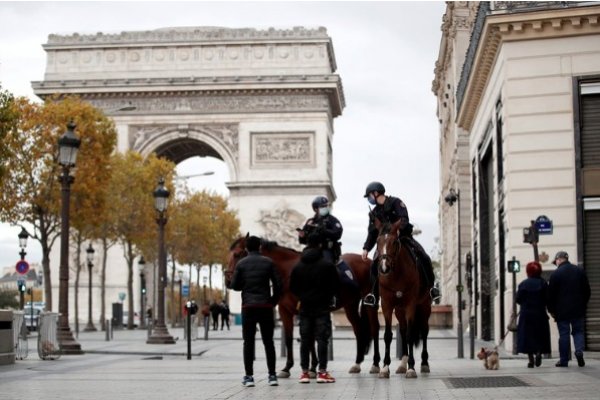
359, 333
374, 324
411, 338
424, 322
387, 338
404, 360
287, 328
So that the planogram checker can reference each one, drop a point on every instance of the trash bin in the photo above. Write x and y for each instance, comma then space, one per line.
117, 315
7, 344
20, 335
48, 345
238, 319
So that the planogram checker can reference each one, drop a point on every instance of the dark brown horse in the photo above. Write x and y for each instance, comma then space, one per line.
402, 293
285, 259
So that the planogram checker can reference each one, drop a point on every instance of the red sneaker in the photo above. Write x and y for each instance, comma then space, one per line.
304, 378
324, 377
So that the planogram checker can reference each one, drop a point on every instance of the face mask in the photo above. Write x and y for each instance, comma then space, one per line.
371, 200
323, 211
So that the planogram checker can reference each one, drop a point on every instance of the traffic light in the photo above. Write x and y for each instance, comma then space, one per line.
21, 285
144, 290
514, 266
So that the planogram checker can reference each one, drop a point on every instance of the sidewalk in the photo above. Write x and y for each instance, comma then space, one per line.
128, 368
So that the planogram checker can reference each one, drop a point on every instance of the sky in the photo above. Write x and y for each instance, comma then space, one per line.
385, 54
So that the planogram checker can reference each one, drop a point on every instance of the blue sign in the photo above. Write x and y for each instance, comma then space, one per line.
543, 225
22, 267
185, 290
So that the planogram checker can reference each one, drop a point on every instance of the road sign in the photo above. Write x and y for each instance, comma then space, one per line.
185, 290
543, 225
22, 267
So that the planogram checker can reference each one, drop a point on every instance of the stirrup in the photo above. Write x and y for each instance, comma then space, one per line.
370, 300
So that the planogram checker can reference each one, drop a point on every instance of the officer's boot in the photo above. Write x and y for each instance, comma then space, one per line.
372, 298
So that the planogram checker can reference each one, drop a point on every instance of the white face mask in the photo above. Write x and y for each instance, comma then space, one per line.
323, 211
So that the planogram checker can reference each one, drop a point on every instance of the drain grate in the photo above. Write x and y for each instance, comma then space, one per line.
485, 382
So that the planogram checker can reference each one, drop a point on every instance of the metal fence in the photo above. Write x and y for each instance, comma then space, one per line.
48, 346
20, 335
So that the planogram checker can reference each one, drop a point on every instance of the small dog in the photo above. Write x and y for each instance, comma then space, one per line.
489, 357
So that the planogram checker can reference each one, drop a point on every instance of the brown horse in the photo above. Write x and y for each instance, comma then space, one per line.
402, 293
285, 259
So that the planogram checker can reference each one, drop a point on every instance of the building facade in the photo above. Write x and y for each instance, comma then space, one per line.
519, 108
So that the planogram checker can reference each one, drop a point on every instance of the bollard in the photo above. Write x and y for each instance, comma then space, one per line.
150, 324
110, 326
106, 329
206, 326
189, 336
283, 347
398, 343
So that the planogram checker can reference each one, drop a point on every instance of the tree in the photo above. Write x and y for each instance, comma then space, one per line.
7, 121
30, 192
132, 183
8, 298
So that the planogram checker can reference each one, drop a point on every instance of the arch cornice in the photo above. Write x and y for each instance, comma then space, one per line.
555, 23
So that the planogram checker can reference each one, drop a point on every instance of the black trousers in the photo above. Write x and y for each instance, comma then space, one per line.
265, 320
314, 326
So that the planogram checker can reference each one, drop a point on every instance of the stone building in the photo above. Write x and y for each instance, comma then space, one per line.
518, 89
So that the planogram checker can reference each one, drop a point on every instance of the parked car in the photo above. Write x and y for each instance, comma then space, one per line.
32, 316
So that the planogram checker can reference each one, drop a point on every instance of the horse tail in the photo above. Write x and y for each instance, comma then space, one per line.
365, 328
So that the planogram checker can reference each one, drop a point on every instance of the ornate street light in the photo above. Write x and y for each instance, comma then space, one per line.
142, 269
23, 236
90, 263
160, 333
451, 198
23, 264
68, 146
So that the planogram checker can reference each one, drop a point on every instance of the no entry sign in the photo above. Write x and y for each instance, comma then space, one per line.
22, 267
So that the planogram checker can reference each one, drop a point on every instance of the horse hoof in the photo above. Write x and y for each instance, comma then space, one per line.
425, 369
283, 374
312, 374
355, 369
374, 369
384, 375
401, 370
411, 373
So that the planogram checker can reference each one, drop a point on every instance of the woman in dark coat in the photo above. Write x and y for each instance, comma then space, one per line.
533, 333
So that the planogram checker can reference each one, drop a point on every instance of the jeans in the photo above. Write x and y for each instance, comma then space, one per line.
314, 326
264, 318
575, 328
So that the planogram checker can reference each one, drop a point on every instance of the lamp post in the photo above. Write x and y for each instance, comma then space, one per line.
451, 198
90, 263
23, 235
68, 145
160, 333
142, 268
180, 312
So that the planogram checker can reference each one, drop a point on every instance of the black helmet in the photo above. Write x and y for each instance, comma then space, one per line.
319, 201
374, 187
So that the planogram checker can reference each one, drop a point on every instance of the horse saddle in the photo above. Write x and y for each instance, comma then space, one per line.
421, 259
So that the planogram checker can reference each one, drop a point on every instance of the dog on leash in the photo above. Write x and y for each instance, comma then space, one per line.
489, 357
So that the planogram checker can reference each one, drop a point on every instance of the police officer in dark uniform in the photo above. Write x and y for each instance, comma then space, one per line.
327, 227
389, 209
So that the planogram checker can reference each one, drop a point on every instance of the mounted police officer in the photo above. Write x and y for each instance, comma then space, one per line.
389, 209
326, 227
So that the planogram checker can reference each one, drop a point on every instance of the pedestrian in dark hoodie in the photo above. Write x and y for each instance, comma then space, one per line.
315, 281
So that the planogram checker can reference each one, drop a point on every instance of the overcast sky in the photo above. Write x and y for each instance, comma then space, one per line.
385, 53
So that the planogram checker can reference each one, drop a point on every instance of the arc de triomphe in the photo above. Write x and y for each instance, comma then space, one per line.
263, 101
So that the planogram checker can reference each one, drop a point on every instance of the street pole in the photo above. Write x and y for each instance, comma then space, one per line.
514, 308
160, 333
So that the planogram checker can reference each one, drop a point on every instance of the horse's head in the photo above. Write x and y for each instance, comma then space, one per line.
388, 245
237, 251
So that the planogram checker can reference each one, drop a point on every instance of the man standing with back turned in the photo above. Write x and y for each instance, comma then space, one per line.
254, 275
568, 295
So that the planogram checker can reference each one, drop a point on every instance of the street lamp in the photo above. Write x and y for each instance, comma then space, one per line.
21, 282
451, 198
68, 146
160, 333
142, 268
90, 263
180, 312
23, 236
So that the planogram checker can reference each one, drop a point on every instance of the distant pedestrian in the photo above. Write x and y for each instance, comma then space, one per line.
533, 333
314, 280
215, 310
568, 295
224, 308
254, 276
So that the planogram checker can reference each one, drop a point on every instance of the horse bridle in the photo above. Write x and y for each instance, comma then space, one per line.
385, 260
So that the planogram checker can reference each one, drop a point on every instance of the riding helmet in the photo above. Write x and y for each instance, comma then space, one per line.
374, 187
319, 201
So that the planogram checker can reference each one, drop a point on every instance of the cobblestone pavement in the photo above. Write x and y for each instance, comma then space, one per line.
128, 368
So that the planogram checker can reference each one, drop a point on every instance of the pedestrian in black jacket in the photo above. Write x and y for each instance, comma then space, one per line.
315, 281
568, 295
533, 334
255, 275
